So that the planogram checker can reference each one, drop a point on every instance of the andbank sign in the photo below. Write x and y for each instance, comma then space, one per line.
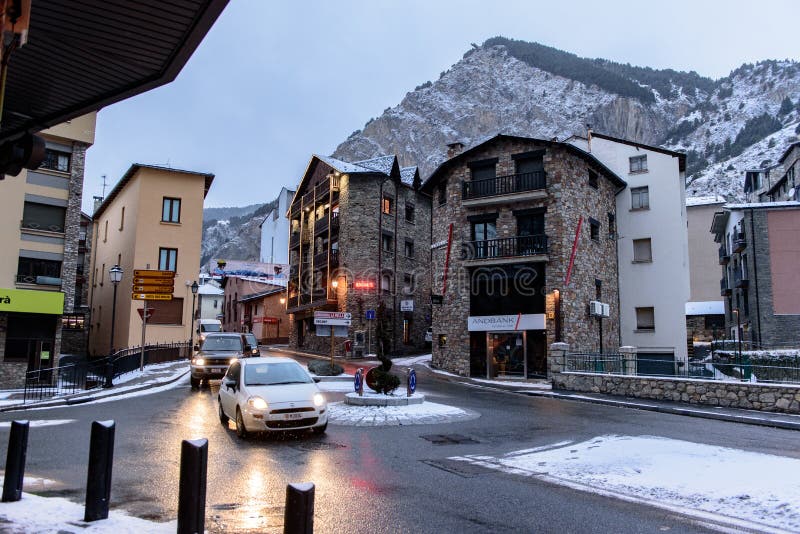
496, 323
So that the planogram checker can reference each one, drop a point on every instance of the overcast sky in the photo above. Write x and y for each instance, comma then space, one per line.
276, 81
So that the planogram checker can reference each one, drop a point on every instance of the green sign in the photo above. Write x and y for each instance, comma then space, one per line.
31, 301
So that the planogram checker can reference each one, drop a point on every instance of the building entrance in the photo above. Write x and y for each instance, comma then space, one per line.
31, 338
506, 354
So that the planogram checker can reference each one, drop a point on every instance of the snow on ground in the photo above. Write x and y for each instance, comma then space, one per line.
336, 385
54, 515
39, 423
35, 483
412, 360
515, 383
716, 482
415, 414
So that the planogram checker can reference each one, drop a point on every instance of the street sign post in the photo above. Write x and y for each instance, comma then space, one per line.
142, 312
151, 296
152, 273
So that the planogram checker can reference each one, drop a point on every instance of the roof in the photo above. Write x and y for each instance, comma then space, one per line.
81, 58
409, 174
133, 169
788, 150
261, 294
763, 205
704, 201
382, 164
209, 289
680, 155
705, 307
611, 175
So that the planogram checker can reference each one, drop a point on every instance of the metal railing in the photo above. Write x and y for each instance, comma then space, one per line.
38, 279
45, 383
724, 257
504, 185
506, 247
730, 368
724, 288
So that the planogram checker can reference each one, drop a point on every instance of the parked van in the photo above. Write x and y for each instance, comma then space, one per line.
204, 326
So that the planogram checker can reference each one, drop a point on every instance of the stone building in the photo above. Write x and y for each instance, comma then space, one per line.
523, 239
365, 228
759, 254
74, 326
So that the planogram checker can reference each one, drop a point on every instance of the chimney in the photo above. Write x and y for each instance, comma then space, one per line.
454, 149
589, 136
97, 202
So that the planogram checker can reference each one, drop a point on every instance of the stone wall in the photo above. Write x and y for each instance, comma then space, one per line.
569, 197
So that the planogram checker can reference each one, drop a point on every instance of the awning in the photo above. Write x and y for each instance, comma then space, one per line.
705, 307
31, 301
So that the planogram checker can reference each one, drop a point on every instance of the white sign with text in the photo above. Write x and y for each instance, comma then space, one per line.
497, 323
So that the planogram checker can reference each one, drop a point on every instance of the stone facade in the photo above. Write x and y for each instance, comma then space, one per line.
364, 258
568, 197
697, 328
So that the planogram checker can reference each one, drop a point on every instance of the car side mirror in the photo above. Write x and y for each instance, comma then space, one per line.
229, 382
316, 379
197, 347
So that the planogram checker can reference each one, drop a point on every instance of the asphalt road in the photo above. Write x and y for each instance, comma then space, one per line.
378, 479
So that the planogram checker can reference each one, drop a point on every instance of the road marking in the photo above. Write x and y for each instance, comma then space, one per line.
41, 422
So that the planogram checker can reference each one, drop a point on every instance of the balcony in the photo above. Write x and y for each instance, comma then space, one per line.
334, 258
321, 225
506, 250
42, 226
739, 242
335, 221
38, 280
321, 260
294, 239
724, 288
724, 257
294, 270
742, 281
524, 186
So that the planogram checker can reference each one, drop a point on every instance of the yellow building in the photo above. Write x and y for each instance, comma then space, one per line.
152, 219
40, 211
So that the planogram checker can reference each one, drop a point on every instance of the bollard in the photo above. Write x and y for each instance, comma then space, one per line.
98, 480
109, 375
299, 515
15, 461
192, 486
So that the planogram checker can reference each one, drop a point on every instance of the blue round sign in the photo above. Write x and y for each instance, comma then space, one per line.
412, 381
357, 381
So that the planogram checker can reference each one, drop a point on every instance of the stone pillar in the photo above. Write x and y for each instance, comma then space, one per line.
556, 359
629, 360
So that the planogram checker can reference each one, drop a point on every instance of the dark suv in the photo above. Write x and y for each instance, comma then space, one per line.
215, 354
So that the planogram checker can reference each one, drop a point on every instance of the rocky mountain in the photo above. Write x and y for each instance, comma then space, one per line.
725, 126
235, 235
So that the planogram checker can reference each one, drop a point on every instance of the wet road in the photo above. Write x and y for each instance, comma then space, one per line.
379, 479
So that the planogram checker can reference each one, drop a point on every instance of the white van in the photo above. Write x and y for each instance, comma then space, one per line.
204, 326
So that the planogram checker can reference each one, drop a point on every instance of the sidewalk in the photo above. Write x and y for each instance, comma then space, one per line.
155, 375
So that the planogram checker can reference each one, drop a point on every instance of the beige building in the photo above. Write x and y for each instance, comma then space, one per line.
705, 310
152, 219
40, 211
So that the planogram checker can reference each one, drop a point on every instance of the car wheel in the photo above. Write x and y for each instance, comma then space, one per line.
241, 431
222, 417
320, 429
195, 382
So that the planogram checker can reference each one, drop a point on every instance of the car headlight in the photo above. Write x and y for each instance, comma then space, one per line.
232, 360
258, 403
199, 361
319, 400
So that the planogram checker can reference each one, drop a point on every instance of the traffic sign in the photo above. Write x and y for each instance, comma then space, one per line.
167, 282
151, 296
412, 382
151, 273
332, 315
153, 289
370, 315
358, 381
149, 313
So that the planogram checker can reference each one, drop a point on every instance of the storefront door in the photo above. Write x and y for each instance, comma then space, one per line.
506, 355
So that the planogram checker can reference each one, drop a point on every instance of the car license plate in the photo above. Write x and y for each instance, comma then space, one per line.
294, 416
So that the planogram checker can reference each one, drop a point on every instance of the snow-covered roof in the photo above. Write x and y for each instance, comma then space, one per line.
763, 205
705, 307
407, 175
342, 166
703, 201
382, 164
209, 289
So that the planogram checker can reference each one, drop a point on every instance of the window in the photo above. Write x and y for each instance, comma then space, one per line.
122, 219
102, 274
166, 311
484, 172
386, 283
442, 192
408, 283
105, 232
43, 217
639, 163
593, 179
640, 198
167, 259
73, 321
29, 269
642, 250
409, 249
386, 205
484, 230
410, 213
645, 319
56, 160
171, 210
612, 226
387, 243
594, 229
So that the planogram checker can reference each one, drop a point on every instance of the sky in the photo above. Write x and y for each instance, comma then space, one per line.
277, 81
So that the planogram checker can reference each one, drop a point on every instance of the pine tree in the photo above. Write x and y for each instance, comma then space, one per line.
786, 106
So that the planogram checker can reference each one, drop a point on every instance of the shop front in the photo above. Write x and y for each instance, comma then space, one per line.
507, 346
32, 320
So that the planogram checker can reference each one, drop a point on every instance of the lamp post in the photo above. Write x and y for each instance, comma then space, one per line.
191, 322
115, 275
334, 285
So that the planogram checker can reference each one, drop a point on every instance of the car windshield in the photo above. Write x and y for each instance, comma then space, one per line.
272, 374
210, 327
222, 343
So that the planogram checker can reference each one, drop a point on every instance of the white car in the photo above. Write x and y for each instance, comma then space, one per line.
271, 394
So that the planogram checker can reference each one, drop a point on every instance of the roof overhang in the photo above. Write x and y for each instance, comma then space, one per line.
82, 56
719, 223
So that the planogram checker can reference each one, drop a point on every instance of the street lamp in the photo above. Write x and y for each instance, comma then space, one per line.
334, 285
115, 275
191, 323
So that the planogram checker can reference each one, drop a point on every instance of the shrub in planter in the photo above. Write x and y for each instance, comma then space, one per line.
381, 380
323, 368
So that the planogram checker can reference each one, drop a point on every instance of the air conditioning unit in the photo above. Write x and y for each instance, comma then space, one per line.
606, 310
599, 309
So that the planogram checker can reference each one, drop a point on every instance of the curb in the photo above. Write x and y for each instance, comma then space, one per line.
81, 398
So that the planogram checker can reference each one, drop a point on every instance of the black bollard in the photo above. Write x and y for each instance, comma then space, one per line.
299, 515
15, 461
109, 376
98, 480
192, 486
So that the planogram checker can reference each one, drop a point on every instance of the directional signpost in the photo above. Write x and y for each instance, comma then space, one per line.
332, 320
150, 284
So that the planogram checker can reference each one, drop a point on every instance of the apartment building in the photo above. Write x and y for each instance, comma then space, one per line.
40, 300
651, 245
705, 310
358, 243
275, 231
209, 300
151, 219
778, 182
523, 254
